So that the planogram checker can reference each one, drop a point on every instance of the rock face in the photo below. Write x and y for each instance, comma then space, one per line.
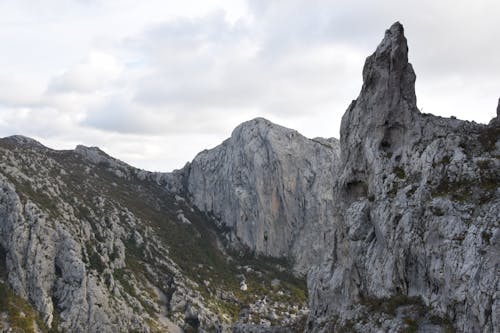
397, 226
270, 188
95, 245
418, 213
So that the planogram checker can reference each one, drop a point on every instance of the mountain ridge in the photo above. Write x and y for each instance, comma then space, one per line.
395, 224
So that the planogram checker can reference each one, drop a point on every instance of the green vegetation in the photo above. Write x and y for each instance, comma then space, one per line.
444, 322
95, 262
22, 318
348, 327
462, 190
389, 305
484, 164
400, 173
194, 247
458, 191
3, 265
418, 309
42, 200
393, 190
120, 275
486, 236
488, 137
411, 325
446, 160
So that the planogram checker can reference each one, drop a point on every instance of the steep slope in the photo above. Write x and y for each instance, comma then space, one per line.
95, 245
397, 226
417, 239
269, 188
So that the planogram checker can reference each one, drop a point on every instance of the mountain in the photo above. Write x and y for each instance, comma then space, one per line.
269, 188
395, 226
95, 245
417, 238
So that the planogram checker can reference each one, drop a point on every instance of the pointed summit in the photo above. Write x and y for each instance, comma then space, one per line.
387, 98
387, 72
384, 114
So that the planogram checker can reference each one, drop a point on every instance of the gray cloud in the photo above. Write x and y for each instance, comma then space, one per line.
208, 70
132, 75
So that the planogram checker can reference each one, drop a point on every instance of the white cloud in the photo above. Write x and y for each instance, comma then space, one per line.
20, 90
154, 82
94, 73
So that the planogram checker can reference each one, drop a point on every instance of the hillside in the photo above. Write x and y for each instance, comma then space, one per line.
395, 227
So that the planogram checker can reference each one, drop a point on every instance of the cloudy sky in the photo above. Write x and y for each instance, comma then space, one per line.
153, 82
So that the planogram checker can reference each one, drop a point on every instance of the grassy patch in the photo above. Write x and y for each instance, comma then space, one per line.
121, 276
26, 191
463, 190
444, 322
393, 191
488, 137
95, 262
347, 327
399, 172
389, 305
21, 315
3, 264
446, 160
411, 325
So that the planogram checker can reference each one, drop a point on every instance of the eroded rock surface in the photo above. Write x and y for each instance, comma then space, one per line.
270, 188
98, 246
396, 225
419, 206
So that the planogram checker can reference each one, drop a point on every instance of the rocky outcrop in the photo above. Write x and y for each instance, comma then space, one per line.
418, 204
270, 188
95, 245
397, 225
46, 246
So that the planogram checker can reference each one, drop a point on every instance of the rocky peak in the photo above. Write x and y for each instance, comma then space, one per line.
22, 140
97, 156
383, 117
387, 75
264, 184
414, 197
262, 129
495, 122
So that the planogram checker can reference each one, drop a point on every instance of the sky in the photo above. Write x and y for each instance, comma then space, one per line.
154, 82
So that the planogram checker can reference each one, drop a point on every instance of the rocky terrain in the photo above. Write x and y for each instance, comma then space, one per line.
95, 245
417, 237
269, 188
395, 226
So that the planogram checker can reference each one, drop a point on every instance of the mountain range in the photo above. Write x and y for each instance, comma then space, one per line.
395, 227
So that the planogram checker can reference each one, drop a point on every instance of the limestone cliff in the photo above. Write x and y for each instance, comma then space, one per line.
95, 245
418, 207
396, 226
270, 188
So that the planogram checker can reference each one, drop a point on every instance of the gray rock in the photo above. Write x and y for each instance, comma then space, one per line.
269, 187
66, 241
418, 207
397, 225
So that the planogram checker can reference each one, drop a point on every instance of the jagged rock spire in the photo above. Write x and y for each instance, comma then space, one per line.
387, 72
385, 111
384, 117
